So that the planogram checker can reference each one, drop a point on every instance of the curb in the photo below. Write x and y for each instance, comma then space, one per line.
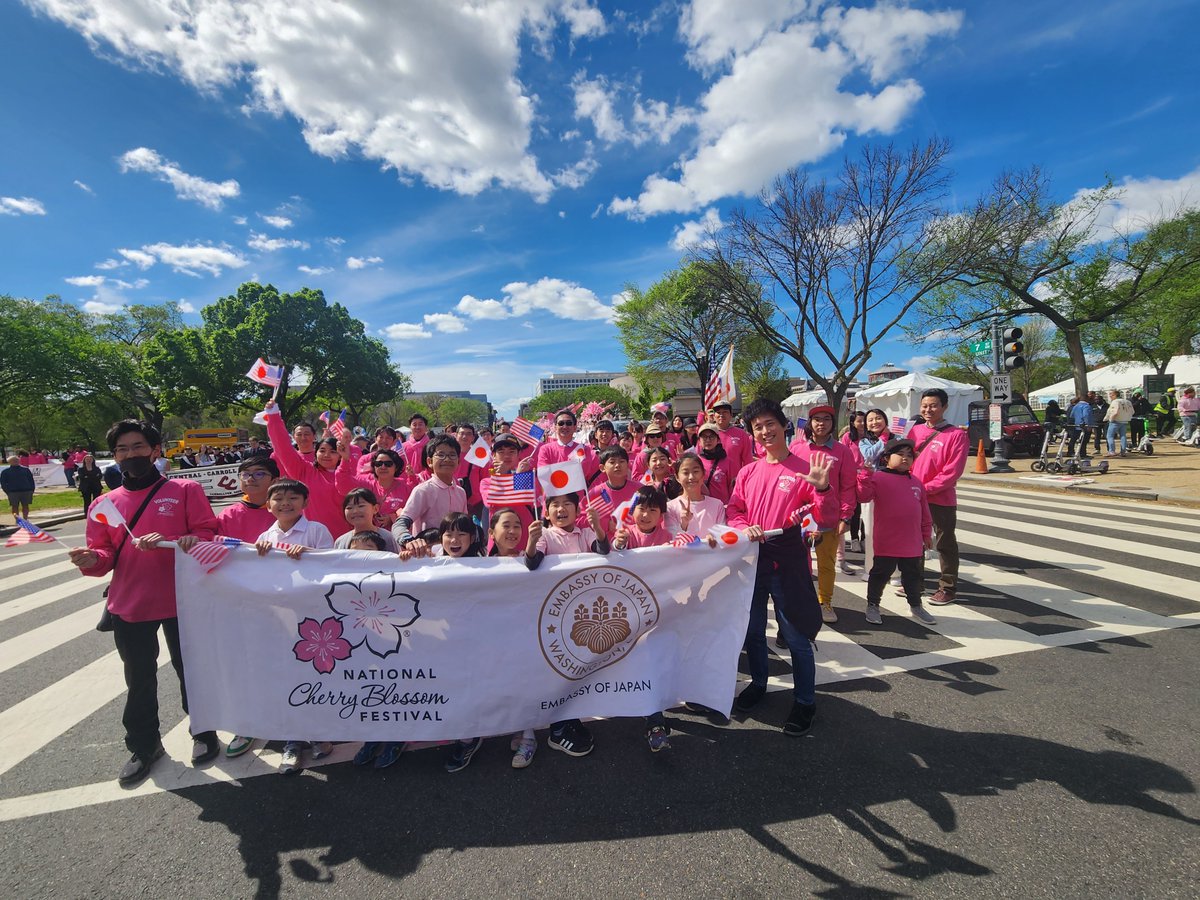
1081, 489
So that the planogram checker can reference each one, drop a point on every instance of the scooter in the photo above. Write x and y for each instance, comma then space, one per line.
1059, 463
1080, 464
1042, 463
1145, 445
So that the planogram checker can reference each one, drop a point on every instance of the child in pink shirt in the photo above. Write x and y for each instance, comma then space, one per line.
903, 528
691, 511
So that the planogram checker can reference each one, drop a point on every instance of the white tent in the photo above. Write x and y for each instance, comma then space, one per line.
902, 396
799, 403
1124, 376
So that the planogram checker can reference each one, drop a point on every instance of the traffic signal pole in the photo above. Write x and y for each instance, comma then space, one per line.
1000, 461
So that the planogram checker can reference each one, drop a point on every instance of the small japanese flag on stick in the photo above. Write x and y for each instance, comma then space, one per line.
727, 537
105, 512
562, 478
479, 453
266, 374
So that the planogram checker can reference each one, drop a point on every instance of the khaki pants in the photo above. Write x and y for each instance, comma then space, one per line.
945, 518
826, 552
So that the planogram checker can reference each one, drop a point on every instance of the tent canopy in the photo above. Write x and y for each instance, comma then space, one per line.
802, 401
902, 396
1125, 376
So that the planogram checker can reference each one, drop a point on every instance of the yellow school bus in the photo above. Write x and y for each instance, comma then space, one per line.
195, 438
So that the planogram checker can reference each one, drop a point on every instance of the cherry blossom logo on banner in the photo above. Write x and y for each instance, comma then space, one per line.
369, 612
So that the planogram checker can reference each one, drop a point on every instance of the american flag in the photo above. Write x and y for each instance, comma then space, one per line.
27, 533
683, 539
324, 417
720, 387
511, 490
602, 504
524, 430
338, 427
211, 554
899, 425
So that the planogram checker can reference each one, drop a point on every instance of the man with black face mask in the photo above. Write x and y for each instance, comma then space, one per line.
141, 597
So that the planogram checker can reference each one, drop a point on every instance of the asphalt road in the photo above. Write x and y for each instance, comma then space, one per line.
1041, 740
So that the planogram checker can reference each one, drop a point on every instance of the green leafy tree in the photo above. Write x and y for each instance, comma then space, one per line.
1032, 256
461, 411
1163, 324
206, 366
553, 401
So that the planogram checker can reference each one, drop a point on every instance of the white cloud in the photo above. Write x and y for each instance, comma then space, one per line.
185, 306
111, 264
277, 221
335, 241
474, 308
314, 270
1141, 202
406, 331
85, 280
919, 363
596, 100
83, 187
135, 285
101, 308
444, 102
695, 233
212, 194
593, 100
269, 245
563, 299
139, 258
358, 262
190, 259
239, 220
446, 323
21, 206
781, 97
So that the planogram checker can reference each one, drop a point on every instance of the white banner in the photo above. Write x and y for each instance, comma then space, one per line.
217, 481
361, 646
49, 475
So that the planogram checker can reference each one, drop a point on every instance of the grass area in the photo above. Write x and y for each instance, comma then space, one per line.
48, 498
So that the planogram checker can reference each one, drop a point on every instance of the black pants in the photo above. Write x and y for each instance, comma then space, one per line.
856, 526
1137, 430
137, 645
88, 496
1078, 431
1165, 423
911, 570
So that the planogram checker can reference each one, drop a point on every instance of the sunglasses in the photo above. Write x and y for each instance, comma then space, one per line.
564, 423
384, 464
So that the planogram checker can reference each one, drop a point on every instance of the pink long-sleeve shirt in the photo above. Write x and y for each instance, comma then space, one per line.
143, 585
941, 463
706, 512
902, 521
243, 521
656, 538
767, 493
555, 541
841, 472
324, 498
391, 501
739, 447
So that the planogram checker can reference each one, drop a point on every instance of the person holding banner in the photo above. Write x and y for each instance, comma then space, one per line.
145, 511
768, 494
18, 485
431, 500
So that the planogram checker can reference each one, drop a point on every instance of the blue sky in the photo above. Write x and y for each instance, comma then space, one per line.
478, 182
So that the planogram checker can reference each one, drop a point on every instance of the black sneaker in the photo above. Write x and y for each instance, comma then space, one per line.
461, 753
572, 739
800, 720
138, 767
749, 697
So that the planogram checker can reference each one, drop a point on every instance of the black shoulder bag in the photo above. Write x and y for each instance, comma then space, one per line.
106, 618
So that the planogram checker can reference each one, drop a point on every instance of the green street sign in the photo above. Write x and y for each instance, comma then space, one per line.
980, 347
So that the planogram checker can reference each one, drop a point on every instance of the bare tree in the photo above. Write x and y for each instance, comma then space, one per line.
841, 263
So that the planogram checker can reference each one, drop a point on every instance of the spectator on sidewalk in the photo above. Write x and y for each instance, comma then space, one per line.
18, 485
1118, 414
1078, 417
1189, 408
1141, 415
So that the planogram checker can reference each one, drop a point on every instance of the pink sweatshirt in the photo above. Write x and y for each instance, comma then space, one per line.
413, 452
430, 502
902, 522
553, 452
391, 501
941, 463
767, 493
739, 447
617, 495
841, 474
143, 585
718, 477
656, 538
324, 498
243, 521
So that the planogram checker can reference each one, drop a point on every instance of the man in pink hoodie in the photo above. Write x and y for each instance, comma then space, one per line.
942, 450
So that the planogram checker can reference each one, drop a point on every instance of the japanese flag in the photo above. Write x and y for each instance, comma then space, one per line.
727, 537
105, 512
624, 512
562, 478
479, 453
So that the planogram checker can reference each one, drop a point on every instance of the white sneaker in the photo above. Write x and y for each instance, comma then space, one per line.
524, 754
856, 546
289, 760
828, 614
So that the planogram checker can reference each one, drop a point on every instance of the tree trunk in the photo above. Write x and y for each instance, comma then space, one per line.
1074, 341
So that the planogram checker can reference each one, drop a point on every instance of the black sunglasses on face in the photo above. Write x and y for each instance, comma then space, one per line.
385, 463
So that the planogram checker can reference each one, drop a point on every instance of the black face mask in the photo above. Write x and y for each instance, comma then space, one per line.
136, 466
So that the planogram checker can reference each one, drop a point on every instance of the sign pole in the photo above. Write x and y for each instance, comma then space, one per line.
1001, 394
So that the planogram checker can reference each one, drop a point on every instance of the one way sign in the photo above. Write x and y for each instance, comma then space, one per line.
1001, 388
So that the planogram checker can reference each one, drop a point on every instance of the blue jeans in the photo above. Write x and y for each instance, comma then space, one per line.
1116, 429
1189, 426
804, 666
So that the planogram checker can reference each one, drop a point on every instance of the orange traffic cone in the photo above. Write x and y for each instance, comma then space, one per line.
981, 460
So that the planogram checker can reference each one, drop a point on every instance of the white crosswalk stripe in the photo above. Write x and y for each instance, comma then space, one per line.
1096, 570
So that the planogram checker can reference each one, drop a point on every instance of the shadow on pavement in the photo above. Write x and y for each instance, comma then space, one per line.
714, 779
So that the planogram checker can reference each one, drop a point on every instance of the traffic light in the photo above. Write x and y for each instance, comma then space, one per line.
1011, 349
